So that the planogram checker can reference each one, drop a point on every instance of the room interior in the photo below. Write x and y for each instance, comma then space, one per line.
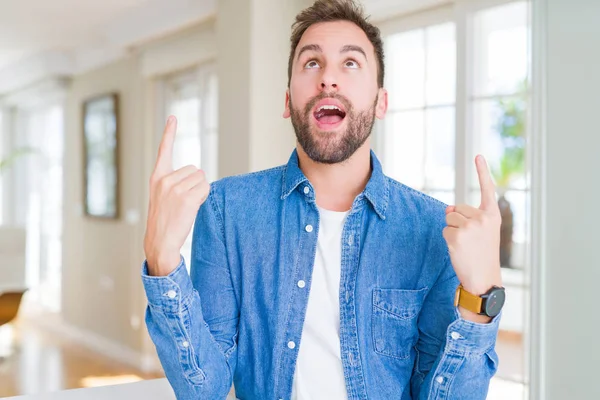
511, 79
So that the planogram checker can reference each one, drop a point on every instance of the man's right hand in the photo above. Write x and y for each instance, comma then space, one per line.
175, 197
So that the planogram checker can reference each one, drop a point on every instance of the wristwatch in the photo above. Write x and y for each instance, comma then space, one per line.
488, 304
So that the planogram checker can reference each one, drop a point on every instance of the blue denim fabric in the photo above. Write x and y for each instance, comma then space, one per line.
235, 316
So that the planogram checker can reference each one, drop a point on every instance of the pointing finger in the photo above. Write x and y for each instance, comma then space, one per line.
488, 189
164, 162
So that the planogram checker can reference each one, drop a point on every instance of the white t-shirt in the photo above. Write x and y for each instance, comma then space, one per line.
319, 373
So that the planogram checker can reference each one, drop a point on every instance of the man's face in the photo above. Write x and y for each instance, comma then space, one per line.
333, 96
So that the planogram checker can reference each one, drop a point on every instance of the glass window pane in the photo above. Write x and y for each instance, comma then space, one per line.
419, 132
186, 149
500, 131
501, 49
404, 149
440, 82
405, 69
439, 165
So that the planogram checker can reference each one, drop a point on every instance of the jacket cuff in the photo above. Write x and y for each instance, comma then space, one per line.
470, 337
170, 292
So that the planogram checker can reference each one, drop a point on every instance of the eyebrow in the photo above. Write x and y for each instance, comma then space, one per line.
309, 47
347, 48
352, 47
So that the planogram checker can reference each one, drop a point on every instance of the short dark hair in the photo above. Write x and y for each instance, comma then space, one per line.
336, 10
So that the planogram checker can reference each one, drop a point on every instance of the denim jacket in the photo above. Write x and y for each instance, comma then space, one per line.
238, 316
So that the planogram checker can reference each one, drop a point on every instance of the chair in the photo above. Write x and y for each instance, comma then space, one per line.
9, 308
9, 305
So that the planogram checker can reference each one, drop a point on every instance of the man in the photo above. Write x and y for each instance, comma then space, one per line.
322, 278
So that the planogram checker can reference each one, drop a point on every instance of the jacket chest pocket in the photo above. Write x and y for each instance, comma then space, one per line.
394, 321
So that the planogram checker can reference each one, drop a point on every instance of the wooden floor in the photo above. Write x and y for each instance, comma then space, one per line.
43, 362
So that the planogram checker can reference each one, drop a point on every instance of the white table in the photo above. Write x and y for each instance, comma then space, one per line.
155, 389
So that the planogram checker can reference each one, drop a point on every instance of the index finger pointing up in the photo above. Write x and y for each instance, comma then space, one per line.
488, 189
164, 161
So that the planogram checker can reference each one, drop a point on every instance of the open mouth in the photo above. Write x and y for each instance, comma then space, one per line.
329, 116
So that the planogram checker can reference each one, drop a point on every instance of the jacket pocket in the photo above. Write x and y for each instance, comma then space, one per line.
394, 321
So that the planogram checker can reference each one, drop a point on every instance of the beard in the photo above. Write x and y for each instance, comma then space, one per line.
329, 147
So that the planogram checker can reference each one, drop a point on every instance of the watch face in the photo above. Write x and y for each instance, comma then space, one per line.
494, 302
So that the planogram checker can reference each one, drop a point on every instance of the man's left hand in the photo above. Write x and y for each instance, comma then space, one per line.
473, 237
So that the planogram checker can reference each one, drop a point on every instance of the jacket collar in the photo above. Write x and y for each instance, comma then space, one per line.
376, 191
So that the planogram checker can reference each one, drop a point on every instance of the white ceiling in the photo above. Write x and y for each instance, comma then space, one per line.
28, 27
80, 32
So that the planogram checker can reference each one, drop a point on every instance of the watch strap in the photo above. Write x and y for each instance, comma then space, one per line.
467, 300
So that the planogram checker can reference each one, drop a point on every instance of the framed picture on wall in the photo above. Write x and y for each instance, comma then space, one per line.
100, 142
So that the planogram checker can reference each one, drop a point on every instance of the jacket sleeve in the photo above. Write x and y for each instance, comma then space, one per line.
196, 337
455, 357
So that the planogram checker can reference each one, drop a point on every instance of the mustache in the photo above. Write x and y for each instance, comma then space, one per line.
338, 97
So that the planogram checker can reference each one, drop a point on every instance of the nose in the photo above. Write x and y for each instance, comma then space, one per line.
328, 80
326, 85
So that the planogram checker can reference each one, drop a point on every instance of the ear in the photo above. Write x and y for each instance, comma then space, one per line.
286, 111
382, 103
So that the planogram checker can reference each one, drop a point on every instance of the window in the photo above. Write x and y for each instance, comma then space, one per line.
192, 98
458, 85
51, 209
419, 127
498, 105
37, 196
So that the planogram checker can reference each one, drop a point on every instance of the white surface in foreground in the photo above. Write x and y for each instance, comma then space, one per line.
503, 390
155, 389
159, 389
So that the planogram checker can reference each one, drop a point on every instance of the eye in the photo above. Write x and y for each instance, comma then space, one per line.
351, 64
311, 64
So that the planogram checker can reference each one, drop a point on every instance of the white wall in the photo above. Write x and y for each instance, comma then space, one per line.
572, 269
252, 71
102, 258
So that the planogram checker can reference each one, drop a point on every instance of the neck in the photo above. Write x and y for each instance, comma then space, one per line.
337, 185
